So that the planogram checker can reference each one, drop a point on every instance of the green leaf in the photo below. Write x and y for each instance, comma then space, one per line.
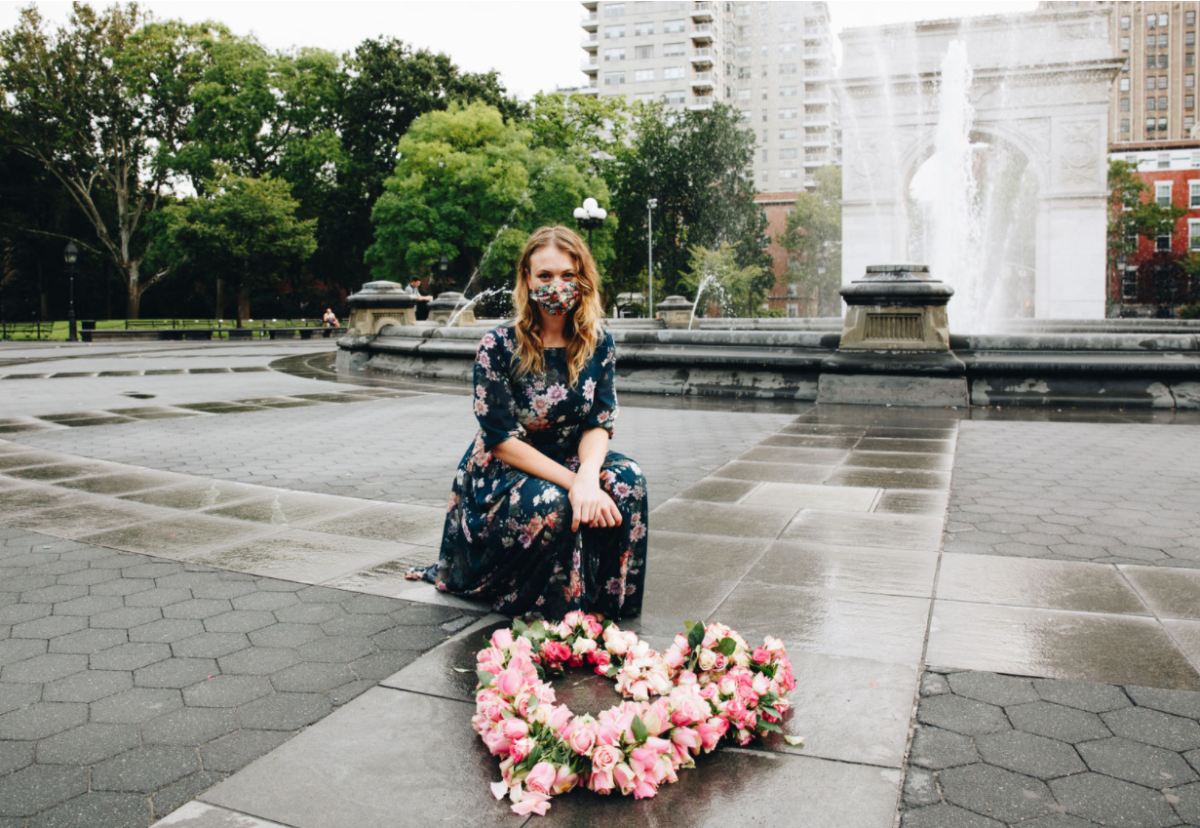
485, 679
519, 626
537, 631
763, 724
687, 626
794, 741
639, 729
533, 703
611, 670
726, 646
696, 635
770, 711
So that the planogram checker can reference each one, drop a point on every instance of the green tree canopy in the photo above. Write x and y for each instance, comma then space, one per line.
103, 104
813, 240
245, 230
698, 165
1132, 213
716, 276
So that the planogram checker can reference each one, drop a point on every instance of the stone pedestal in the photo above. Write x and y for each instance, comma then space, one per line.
676, 311
443, 308
895, 345
896, 307
378, 305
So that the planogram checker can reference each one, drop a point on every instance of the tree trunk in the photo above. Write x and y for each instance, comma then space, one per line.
219, 310
134, 301
43, 296
243, 305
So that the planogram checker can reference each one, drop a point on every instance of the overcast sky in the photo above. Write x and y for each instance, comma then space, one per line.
534, 45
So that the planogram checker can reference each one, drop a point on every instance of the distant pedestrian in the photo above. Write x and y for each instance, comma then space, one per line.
414, 287
331, 321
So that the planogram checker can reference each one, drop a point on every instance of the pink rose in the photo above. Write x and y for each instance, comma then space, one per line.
521, 748
502, 638
644, 790
761, 655
601, 782
564, 780
606, 757
673, 658
532, 802
583, 739
559, 718
624, 777
509, 682
555, 651
514, 729
641, 760
687, 737
541, 778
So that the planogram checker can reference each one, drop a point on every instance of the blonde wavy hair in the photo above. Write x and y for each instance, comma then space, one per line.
582, 330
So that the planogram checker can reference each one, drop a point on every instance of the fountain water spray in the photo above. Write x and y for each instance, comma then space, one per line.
465, 306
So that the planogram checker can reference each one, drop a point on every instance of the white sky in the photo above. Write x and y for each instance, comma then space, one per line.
533, 43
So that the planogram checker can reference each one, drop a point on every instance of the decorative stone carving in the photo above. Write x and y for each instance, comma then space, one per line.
896, 308
676, 311
446, 305
378, 305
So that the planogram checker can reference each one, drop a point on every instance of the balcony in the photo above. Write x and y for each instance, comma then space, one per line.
590, 5
590, 88
702, 32
703, 11
590, 42
815, 162
590, 66
590, 21
818, 122
702, 56
702, 79
701, 102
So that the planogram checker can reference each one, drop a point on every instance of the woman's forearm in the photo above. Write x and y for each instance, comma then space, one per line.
524, 457
593, 449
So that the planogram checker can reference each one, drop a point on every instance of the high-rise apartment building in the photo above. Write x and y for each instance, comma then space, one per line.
773, 61
1154, 97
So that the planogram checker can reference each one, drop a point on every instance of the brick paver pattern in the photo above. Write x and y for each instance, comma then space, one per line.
129, 684
1108, 493
992, 750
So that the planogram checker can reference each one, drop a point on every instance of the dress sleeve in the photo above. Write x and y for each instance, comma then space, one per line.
495, 407
602, 392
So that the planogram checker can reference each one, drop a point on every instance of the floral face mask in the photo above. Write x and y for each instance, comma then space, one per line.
556, 298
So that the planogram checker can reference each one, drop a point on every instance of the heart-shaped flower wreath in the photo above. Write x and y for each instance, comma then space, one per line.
710, 686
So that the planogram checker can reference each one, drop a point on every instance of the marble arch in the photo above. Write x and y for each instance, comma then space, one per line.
1041, 84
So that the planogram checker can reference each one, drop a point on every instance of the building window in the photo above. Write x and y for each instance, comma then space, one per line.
790, 152
1162, 20
1124, 104
1164, 163
1150, 82
1189, 81
1151, 63
1124, 44
673, 26
1125, 23
743, 94
766, 176
613, 32
1194, 193
1193, 234
765, 116
787, 48
787, 68
764, 154
1188, 123
1162, 81
787, 91
1162, 61
1162, 41
1189, 18
614, 54
674, 49
643, 75
1151, 19
1125, 125
1150, 41
1129, 285
743, 73
784, 28
744, 52
1162, 103
643, 29
1189, 59
766, 135
789, 173
1162, 125
785, 114
643, 52
1189, 39
672, 73
1162, 244
614, 9
614, 78
787, 135
1124, 84
1151, 104
675, 97
1150, 124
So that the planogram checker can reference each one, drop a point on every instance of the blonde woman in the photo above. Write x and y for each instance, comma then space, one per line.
543, 518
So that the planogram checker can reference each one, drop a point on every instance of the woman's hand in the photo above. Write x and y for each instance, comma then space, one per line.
591, 505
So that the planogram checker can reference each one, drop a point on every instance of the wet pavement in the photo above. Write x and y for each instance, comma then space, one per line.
880, 544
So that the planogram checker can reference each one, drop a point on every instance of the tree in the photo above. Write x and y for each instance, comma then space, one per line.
716, 276
1132, 214
245, 229
698, 165
813, 240
103, 104
469, 187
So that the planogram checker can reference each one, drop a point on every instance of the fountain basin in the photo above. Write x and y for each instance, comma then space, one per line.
451, 305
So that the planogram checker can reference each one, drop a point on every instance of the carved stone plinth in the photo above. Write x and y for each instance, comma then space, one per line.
378, 305
676, 311
896, 308
443, 308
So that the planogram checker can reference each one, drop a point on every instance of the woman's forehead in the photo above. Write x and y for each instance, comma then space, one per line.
551, 258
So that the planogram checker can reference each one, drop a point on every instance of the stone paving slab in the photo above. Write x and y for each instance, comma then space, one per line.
130, 683
997, 750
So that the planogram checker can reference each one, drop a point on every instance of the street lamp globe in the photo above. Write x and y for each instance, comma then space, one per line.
70, 254
590, 216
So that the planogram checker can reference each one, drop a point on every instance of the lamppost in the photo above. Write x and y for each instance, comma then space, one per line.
651, 203
70, 254
590, 216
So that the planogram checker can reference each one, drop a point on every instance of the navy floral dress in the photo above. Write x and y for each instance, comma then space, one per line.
508, 534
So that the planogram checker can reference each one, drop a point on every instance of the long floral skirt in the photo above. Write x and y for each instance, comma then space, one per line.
508, 537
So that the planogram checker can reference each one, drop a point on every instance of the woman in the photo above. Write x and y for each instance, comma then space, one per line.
543, 518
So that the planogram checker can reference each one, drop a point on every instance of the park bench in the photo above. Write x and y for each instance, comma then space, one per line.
25, 330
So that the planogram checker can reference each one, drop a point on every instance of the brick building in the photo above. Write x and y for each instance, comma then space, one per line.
1153, 282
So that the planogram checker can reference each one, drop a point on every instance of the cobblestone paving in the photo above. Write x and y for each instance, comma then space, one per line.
993, 750
1109, 493
401, 450
129, 684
